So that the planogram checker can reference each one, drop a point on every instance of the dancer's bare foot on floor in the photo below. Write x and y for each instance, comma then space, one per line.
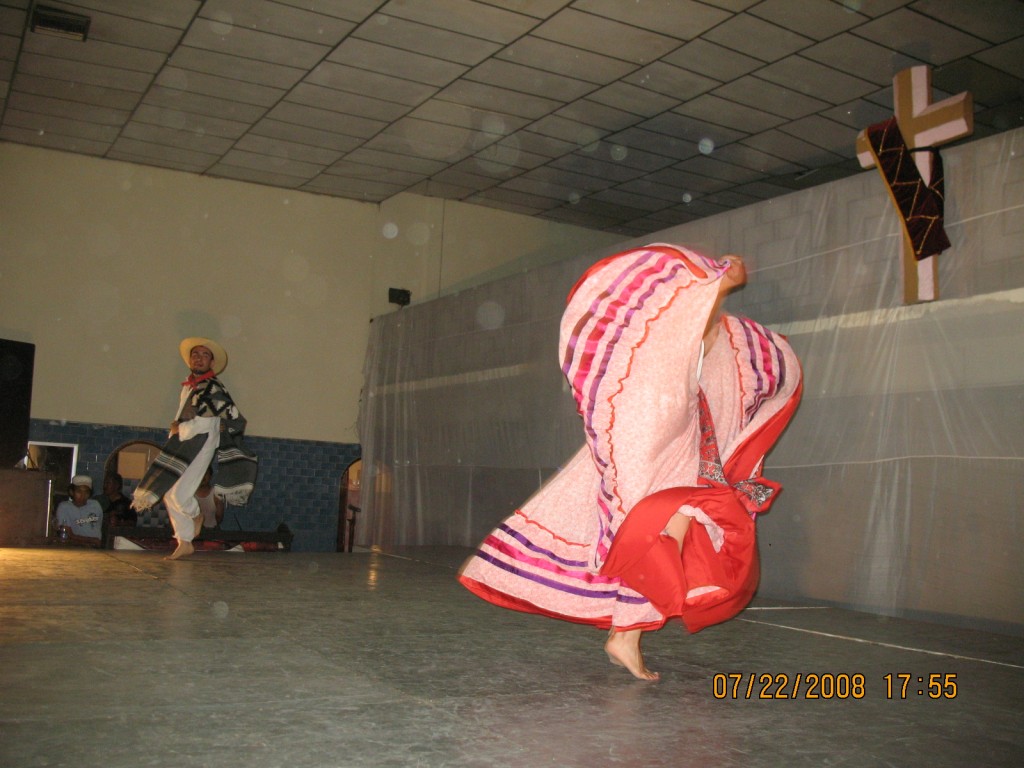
623, 648
184, 549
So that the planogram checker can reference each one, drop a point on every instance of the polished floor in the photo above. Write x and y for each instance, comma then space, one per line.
287, 660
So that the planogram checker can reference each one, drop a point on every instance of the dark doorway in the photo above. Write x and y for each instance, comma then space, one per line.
349, 505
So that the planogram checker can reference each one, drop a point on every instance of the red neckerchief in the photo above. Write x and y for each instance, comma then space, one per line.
194, 381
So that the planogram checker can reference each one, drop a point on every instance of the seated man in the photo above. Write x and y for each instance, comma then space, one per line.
80, 518
116, 506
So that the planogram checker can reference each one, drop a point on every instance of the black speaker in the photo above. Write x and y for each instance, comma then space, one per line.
17, 359
399, 296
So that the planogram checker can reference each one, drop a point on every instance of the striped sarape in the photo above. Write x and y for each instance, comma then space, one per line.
237, 467
631, 341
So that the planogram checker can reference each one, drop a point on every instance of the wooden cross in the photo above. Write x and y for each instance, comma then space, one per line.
923, 124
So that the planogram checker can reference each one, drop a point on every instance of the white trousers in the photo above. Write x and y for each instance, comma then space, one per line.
180, 500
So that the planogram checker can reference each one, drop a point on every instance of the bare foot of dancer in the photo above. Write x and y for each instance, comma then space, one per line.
623, 648
184, 549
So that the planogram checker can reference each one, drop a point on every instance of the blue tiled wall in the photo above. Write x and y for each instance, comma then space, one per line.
298, 484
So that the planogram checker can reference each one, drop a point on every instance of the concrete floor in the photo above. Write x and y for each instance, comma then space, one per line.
287, 660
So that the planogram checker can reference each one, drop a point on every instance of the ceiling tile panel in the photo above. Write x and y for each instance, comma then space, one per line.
218, 87
449, 113
822, 132
986, 84
109, 55
598, 115
995, 21
633, 98
238, 41
273, 163
62, 126
709, 109
712, 60
688, 182
237, 68
771, 98
514, 77
860, 58
617, 196
682, 19
507, 153
186, 121
324, 119
631, 157
348, 103
676, 83
692, 132
814, 20
13, 20
579, 183
933, 42
177, 137
556, 193
351, 10
463, 16
583, 163
600, 35
859, 114
800, 154
717, 169
171, 98
1008, 57
567, 130
374, 173
501, 194
169, 13
224, 17
540, 9
74, 110
399, 162
758, 38
479, 165
54, 141
298, 134
354, 80
133, 32
669, 193
566, 60
128, 149
455, 175
394, 62
535, 144
815, 80
656, 142
256, 176
264, 145
747, 155
403, 34
499, 100
78, 92
731, 198
88, 74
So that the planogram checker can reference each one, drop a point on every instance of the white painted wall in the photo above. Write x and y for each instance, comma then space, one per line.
105, 266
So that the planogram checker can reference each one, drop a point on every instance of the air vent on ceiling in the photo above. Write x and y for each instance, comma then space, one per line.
54, 21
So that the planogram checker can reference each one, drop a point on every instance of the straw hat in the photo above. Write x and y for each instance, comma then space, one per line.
220, 355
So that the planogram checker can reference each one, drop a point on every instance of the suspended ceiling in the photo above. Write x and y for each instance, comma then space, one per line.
627, 116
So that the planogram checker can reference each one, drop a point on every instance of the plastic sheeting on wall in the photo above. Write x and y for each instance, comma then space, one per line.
903, 468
